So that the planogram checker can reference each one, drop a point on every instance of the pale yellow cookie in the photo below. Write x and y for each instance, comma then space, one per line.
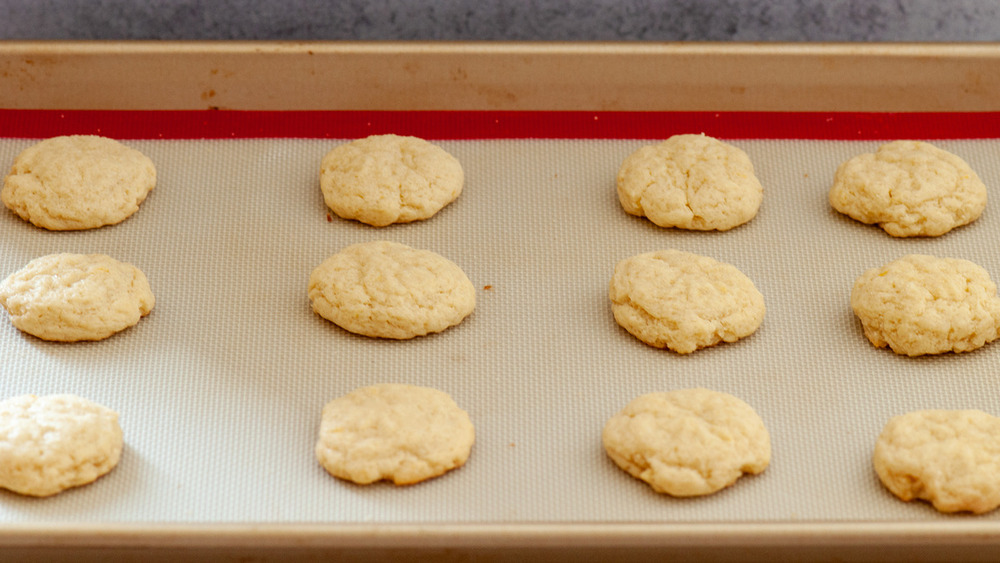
70, 297
688, 442
389, 290
49, 444
78, 182
910, 188
950, 458
400, 433
386, 179
922, 304
690, 182
683, 301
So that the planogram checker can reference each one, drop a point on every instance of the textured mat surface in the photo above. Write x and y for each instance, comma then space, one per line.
220, 388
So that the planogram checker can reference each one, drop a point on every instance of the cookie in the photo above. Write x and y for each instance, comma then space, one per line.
909, 188
386, 179
922, 304
688, 442
52, 443
388, 290
71, 297
78, 182
950, 458
683, 301
399, 433
690, 182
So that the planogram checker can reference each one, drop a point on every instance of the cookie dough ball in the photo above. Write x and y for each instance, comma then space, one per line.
400, 433
49, 444
950, 458
389, 290
683, 301
910, 188
70, 297
690, 182
78, 182
688, 442
385, 179
921, 304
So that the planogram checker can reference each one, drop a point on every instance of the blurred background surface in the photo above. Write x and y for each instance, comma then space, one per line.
539, 20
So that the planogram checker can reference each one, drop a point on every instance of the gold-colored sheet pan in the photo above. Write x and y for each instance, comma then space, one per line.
507, 77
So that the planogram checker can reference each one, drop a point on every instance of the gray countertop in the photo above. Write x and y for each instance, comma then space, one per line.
545, 20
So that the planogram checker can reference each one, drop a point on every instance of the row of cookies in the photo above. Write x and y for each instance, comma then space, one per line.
684, 443
76, 182
681, 301
692, 442
909, 188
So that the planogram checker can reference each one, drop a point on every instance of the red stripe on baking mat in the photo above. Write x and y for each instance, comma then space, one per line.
226, 124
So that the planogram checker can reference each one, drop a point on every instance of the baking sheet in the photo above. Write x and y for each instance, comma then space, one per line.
220, 388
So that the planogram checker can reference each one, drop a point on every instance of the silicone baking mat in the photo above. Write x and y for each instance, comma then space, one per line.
220, 388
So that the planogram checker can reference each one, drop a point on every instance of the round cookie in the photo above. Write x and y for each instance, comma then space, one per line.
400, 433
389, 290
922, 304
688, 442
49, 444
683, 301
386, 179
910, 188
950, 458
690, 182
71, 297
78, 182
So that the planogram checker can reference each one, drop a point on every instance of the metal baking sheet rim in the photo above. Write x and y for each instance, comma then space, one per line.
508, 536
598, 76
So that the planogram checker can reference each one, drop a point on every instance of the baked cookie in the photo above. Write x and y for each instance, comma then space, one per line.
688, 442
389, 290
49, 444
948, 457
385, 179
910, 188
922, 304
400, 433
78, 182
690, 182
683, 301
70, 297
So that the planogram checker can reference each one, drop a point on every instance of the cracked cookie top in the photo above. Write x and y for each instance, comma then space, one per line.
909, 188
950, 458
78, 182
684, 301
389, 290
688, 442
394, 432
386, 179
690, 182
